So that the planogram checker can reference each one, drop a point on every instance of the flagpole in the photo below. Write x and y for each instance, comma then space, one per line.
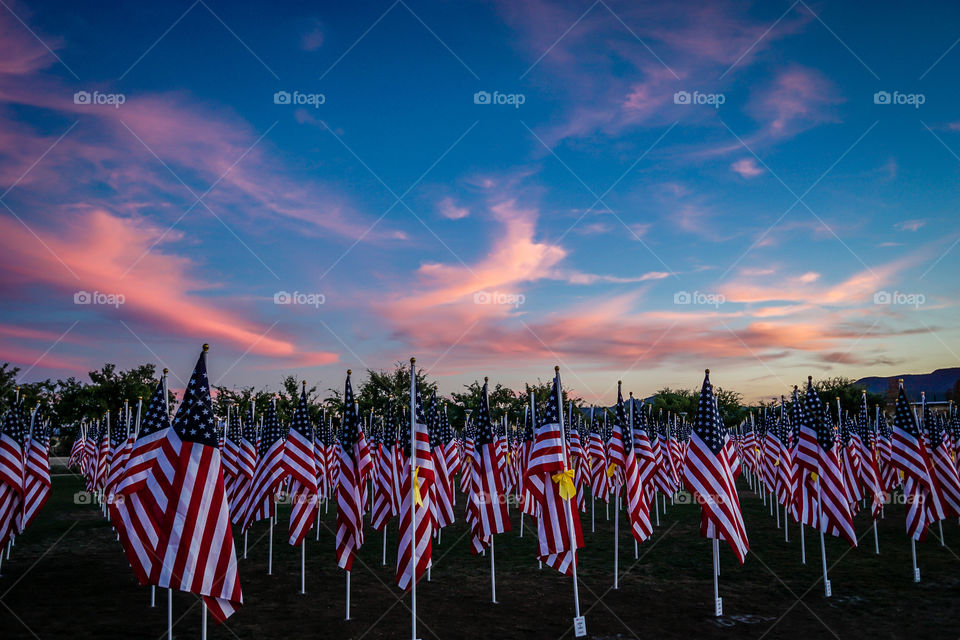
169, 610
413, 502
303, 567
270, 552
803, 546
718, 602
913, 558
493, 574
636, 547
827, 591
579, 622
348, 595
203, 623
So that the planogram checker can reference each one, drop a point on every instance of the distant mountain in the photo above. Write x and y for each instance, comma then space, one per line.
936, 384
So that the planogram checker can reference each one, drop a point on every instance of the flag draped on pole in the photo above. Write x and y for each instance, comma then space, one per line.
77, 459
355, 463
416, 476
637, 498
909, 454
36, 472
246, 466
708, 474
441, 498
270, 472
942, 463
11, 471
837, 520
231, 458
386, 502
869, 462
550, 480
143, 491
196, 546
486, 505
121, 444
300, 463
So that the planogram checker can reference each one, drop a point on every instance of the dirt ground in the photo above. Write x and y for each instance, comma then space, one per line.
67, 577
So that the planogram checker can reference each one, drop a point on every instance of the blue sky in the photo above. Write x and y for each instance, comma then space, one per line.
606, 224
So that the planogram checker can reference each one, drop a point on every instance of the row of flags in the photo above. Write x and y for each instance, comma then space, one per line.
172, 488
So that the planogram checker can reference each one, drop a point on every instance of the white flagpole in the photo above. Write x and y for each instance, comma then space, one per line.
876, 539
827, 591
203, 623
270, 552
413, 501
169, 613
348, 595
383, 561
153, 596
803, 546
303, 567
913, 558
718, 602
616, 542
786, 525
579, 622
493, 575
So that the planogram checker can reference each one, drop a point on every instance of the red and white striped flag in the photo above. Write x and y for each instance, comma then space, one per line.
355, 463
300, 463
11, 471
486, 503
269, 474
196, 544
550, 480
708, 475
36, 471
414, 546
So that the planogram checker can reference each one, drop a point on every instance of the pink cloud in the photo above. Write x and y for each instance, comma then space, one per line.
449, 209
797, 99
92, 252
747, 168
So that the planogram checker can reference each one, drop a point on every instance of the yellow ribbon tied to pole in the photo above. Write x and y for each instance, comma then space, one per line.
416, 487
611, 469
565, 480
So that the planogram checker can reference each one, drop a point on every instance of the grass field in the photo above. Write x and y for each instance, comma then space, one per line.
67, 577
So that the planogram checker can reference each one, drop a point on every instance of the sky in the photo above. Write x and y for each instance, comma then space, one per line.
631, 191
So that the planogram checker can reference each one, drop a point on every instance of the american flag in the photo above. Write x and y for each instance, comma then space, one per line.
231, 453
783, 464
142, 493
103, 453
451, 446
850, 447
197, 542
90, 447
637, 498
599, 485
246, 466
121, 444
355, 463
300, 463
527, 502
11, 471
836, 518
36, 471
616, 456
550, 480
77, 458
943, 466
269, 474
486, 504
708, 475
910, 456
643, 451
869, 463
415, 479
386, 503
441, 498
805, 506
